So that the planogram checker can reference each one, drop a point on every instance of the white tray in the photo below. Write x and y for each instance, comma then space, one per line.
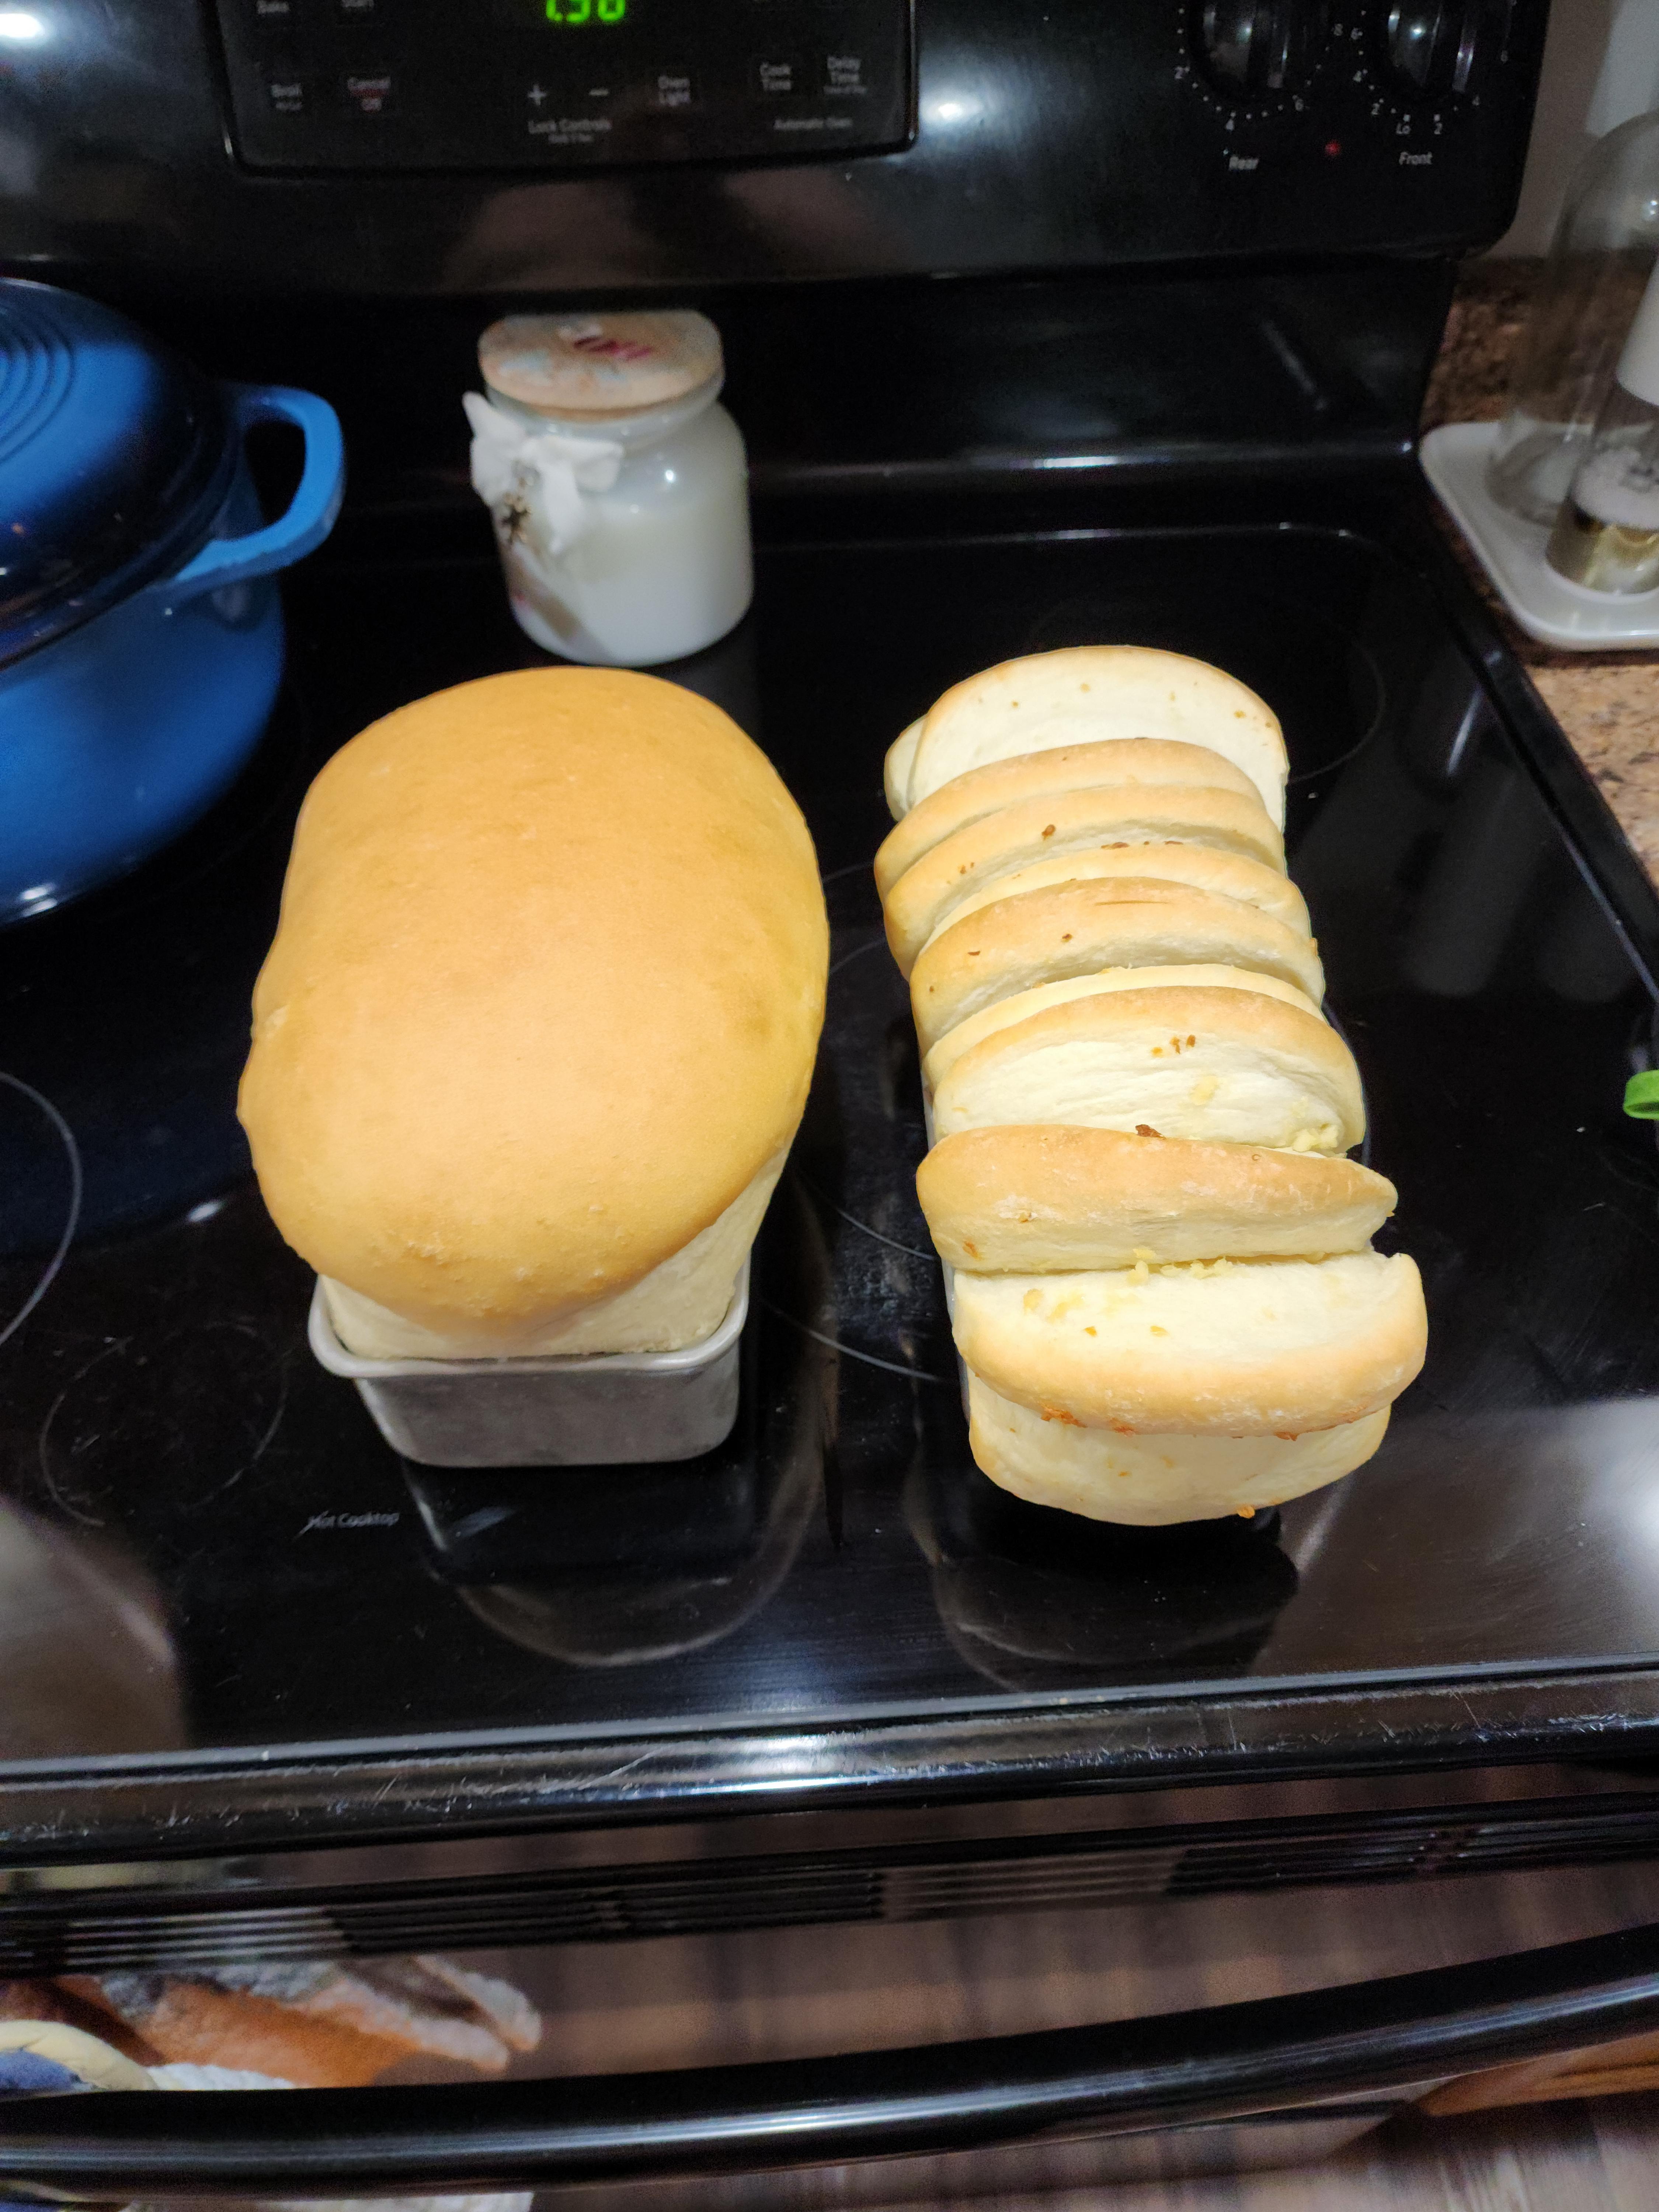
1511, 551
606, 1409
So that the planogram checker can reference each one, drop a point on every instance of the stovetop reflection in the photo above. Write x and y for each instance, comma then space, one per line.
207, 1520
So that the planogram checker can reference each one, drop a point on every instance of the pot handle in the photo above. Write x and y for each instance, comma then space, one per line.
311, 512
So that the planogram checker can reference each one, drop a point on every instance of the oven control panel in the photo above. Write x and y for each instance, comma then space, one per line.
1409, 74
557, 85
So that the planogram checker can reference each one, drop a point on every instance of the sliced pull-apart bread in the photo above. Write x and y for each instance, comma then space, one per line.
1035, 832
538, 1025
1159, 1265
1217, 1064
1079, 696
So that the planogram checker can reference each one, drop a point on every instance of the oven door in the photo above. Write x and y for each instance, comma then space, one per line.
1266, 2080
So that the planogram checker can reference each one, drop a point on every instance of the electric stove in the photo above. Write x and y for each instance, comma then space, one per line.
829, 1803
840, 1560
245, 1637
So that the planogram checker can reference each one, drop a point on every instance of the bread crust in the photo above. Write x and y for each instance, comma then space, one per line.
544, 999
1045, 1198
1153, 1481
1085, 693
1111, 761
1242, 1348
1047, 830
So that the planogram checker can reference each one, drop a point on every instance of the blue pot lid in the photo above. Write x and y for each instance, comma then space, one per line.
115, 459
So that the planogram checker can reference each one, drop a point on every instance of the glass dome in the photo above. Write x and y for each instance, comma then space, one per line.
1604, 251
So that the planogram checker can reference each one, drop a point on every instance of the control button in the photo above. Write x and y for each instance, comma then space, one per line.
842, 76
782, 76
1428, 45
672, 88
357, 11
541, 97
273, 15
368, 94
559, 118
1252, 47
285, 96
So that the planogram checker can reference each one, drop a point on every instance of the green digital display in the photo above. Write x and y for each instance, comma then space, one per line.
537, 16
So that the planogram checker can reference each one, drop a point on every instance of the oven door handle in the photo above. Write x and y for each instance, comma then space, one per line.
1175, 2068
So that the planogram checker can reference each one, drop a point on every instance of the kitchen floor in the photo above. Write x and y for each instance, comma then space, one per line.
1592, 2156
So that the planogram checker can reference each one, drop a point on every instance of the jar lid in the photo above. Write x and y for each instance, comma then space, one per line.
115, 459
599, 364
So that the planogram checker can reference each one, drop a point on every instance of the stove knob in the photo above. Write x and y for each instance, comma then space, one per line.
1428, 45
1251, 47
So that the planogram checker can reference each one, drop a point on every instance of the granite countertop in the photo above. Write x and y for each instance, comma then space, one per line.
1607, 702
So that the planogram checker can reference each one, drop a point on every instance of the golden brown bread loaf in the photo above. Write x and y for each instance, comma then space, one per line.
542, 1008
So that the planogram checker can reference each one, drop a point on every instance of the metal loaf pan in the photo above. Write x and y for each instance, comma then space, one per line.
604, 1409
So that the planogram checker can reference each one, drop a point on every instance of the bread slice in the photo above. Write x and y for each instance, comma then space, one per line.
896, 774
1199, 867
1228, 1066
1045, 1201
1071, 928
1152, 1481
1088, 692
1112, 760
1112, 819
1219, 1348
943, 1056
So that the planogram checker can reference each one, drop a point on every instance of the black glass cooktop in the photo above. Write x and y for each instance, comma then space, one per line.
204, 1543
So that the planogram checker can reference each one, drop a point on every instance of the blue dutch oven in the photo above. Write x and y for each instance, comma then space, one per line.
141, 633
